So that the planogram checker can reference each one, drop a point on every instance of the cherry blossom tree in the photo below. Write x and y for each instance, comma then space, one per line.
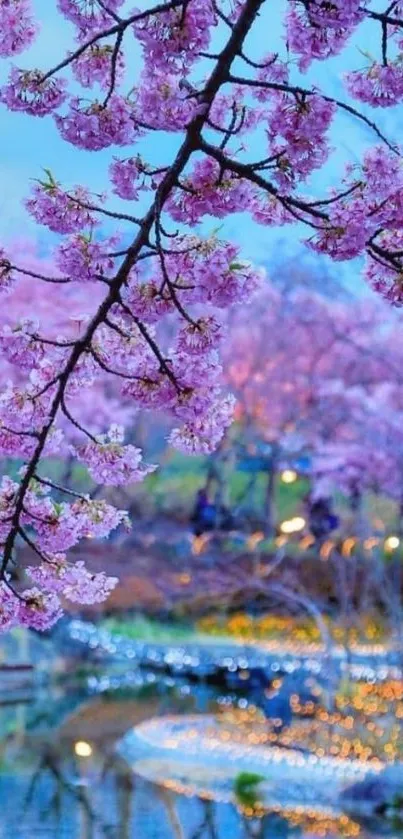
302, 375
369, 458
198, 82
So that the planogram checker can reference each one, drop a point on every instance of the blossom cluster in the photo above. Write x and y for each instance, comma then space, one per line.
209, 191
208, 271
56, 580
162, 102
95, 65
88, 15
174, 39
95, 126
33, 608
17, 27
19, 345
52, 528
73, 582
111, 463
318, 30
187, 385
129, 177
371, 211
378, 85
29, 92
61, 211
85, 259
297, 133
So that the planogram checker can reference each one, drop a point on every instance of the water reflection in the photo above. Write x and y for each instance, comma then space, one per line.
62, 777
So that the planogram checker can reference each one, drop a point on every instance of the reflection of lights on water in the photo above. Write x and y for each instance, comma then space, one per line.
212, 785
339, 749
82, 748
303, 654
289, 476
293, 525
391, 543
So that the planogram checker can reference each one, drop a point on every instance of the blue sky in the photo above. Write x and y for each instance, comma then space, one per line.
28, 145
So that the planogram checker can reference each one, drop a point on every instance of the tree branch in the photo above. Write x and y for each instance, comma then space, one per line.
191, 142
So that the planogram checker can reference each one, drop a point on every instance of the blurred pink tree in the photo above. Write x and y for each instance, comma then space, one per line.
305, 375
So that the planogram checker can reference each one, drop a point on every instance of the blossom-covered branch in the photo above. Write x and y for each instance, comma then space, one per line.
139, 274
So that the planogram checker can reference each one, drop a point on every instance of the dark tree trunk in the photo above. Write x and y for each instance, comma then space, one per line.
270, 516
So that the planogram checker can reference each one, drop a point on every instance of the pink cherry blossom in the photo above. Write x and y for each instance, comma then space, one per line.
25, 91
129, 177
174, 38
72, 581
84, 260
145, 298
9, 608
204, 334
111, 463
319, 29
162, 103
86, 588
61, 211
384, 279
95, 65
380, 86
98, 518
19, 346
88, 15
96, 126
17, 27
297, 133
207, 191
272, 70
39, 610
202, 436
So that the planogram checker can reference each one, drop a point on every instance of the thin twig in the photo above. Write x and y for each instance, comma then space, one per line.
53, 485
75, 422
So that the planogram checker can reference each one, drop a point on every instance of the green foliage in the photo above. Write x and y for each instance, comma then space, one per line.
289, 496
246, 788
177, 481
141, 628
179, 477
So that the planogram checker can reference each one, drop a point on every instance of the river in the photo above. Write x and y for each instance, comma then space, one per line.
67, 767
